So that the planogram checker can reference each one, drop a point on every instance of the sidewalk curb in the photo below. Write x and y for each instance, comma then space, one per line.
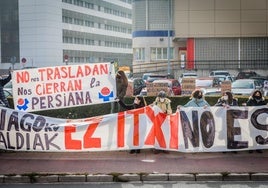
39, 178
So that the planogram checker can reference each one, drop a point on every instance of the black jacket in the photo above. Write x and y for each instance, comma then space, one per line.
222, 102
129, 106
253, 102
3, 82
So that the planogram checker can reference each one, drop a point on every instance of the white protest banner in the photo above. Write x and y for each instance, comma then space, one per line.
63, 86
191, 129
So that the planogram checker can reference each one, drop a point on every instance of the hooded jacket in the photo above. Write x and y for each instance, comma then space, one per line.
164, 106
196, 103
254, 102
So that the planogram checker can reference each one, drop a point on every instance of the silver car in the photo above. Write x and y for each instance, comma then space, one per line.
245, 86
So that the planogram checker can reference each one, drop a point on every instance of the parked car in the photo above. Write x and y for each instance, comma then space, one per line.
207, 82
174, 86
7, 93
219, 73
245, 86
187, 75
261, 79
246, 74
225, 78
8, 87
156, 77
145, 76
211, 91
138, 85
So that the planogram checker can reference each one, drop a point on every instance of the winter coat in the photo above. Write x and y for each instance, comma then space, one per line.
164, 106
3, 82
130, 106
196, 103
253, 102
222, 102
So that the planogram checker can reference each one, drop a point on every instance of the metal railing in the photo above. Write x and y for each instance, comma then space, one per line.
178, 66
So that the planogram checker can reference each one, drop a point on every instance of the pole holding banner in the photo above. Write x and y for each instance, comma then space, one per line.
66, 59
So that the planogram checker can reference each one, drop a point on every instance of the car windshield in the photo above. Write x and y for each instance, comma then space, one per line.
8, 85
243, 85
221, 73
204, 83
189, 75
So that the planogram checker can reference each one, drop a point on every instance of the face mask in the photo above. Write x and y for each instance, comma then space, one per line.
162, 99
225, 97
199, 96
258, 97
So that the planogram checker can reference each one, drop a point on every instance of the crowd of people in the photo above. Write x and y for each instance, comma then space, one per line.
196, 100
162, 101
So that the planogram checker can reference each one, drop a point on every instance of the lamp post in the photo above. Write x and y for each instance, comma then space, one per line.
66, 59
168, 49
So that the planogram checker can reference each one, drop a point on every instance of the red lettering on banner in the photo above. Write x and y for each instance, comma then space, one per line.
156, 131
22, 77
51, 88
69, 142
90, 142
174, 131
136, 133
57, 73
41, 71
121, 129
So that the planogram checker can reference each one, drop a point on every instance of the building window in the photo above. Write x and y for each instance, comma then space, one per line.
89, 23
78, 21
161, 53
67, 1
66, 19
89, 5
78, 3
67, 39
139, 54
90, 42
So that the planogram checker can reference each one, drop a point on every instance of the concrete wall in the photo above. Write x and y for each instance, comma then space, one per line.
220, 18
40, 32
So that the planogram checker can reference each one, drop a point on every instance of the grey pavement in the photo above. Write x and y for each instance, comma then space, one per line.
120, 166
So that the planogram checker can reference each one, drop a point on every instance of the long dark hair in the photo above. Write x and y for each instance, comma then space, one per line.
230, 97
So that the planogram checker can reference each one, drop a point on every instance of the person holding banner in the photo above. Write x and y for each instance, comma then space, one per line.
197, 100
256, 99
227, 100
163, 103
121, 85
3, 82
139, 102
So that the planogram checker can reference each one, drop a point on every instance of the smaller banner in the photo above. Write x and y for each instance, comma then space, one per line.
63, 86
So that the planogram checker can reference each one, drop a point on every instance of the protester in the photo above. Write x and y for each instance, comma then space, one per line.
227, 100
121, 85
256, 99
163, 102
3, 82
139, 102
197, 100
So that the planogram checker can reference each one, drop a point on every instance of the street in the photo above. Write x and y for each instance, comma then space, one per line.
241, 184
